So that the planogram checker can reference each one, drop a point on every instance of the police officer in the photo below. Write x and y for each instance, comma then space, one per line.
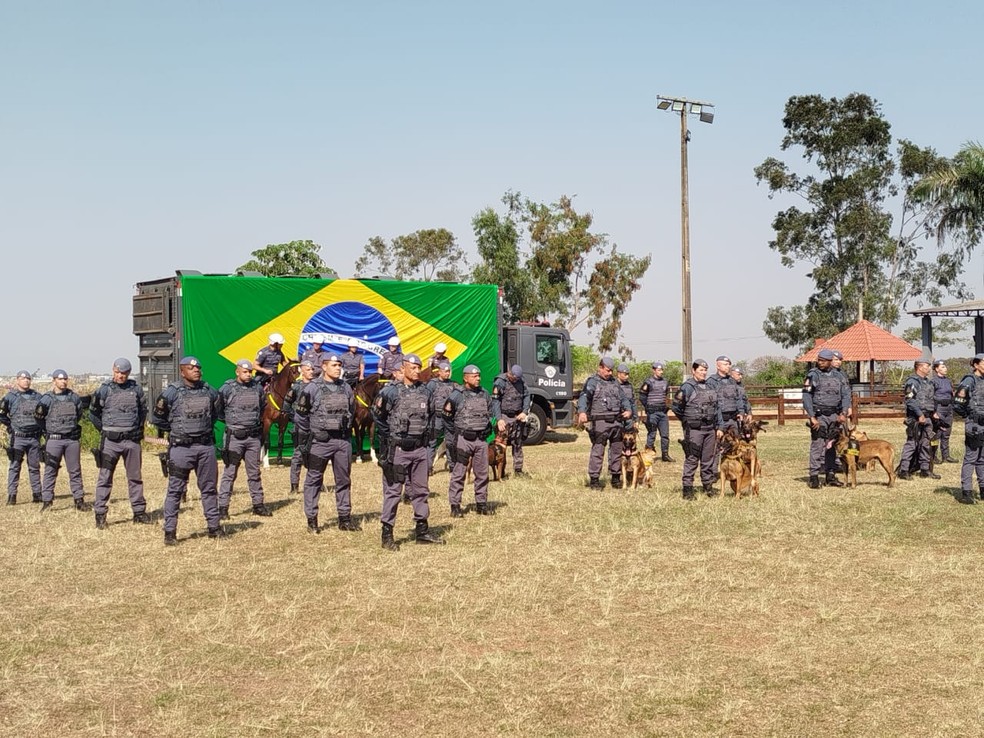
825, 401
968, 403
738, 376
241, 409
603, 404
440, 387
118, 411
622, 377
270, 358
514, 404
299, 436
731, 398
314, 351
696, 405
403, 416
438, 356
920, 413
944, 409
329, 404
59, 411
353, 366
187, 409
654, 398
469, 414
17, 416
832, 462
391, 360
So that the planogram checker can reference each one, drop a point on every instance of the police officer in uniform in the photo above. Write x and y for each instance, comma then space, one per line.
696, 405
968, 403
59, 412
731, 397
654, 398
944, 408
391, 360
314, 351
299, 436
622, 377
738, 376
603, 404
329, 404
17, 416
403, 416
270, 358
118, 411
469, 415
826, 399
241, 409
440, 387
353, 366
920, 412
514, 404
438, 356
187, 410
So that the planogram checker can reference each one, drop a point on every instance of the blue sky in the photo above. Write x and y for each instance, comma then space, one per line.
137, 138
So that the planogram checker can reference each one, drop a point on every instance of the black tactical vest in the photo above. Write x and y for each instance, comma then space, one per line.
511, 399
976, 400
944, 389
331, 411
191, 413
727, 393
410, 414
22, 407
926, 395
826, 392
63, 415
121, 408
473, 411
440, 392
655, 398
242, 405
701, 407
606, 402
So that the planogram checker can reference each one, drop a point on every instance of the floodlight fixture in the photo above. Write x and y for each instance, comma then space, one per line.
663, 104
678, 106
707, 117
695, 108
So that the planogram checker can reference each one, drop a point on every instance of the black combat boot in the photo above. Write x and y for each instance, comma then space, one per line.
927, 474
966, 497
483, 508
12, 500
82, 506
313, 525
170, 538
46, 506
388, 543
688, 493
141, 517
814, 481
593, 483
223, 512
262, 510
345, 522
833, 481
616, 481
218, 532
667, 458
900, 474
711, 490
294, 489
950, 460
457, 512
423, 534
101, 523
36, 497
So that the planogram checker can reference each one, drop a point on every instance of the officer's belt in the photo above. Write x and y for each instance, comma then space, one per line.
326, 435
469, 435
27, 434
193, 441
607, 417
656, 408
411, 444
827, 411
729, 415
944, 403
698, 426
242, 433
121, 435
63, 436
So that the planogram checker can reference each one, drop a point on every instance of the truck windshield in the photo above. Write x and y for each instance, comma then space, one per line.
548, 351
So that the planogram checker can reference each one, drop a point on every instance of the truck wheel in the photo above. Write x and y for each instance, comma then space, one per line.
537, 420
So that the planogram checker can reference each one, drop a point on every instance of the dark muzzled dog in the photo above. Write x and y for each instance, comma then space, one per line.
854, 447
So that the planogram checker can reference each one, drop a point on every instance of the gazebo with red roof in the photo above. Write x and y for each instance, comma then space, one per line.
865, 341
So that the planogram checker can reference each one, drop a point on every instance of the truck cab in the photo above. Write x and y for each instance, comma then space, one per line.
544, 353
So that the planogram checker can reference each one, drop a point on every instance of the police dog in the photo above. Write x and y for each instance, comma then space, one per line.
634, 461
497, 458
739, 464
854, 447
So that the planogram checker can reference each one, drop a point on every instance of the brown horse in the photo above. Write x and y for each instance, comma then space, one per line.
274, 414
366, 392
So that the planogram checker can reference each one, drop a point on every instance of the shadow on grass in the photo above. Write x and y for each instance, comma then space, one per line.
558, 437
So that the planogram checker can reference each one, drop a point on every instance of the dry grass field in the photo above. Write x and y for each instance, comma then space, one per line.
571, 612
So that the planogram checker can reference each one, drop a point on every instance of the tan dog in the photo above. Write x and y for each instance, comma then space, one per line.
739, 465
854, 447
633, 464
497, 459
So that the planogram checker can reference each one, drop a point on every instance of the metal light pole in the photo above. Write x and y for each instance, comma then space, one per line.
683, 106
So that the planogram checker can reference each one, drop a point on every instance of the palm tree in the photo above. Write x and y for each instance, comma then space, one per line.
957, 190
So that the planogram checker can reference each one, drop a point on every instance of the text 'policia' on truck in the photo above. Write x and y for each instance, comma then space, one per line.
223, 318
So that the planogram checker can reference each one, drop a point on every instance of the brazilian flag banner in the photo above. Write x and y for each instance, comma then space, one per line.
227, 318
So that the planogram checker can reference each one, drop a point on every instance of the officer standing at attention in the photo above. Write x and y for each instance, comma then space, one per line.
315, 350
968, 403
944, 408
17, 416
391, 360
440, 387
469, 415
514, 403
696, 405
622, 377
403, 417
270, 358
745, 407
825, 402
729, 395
353, 367
603, 404
329, 405
187, 409
118, 412
241, 409
654, 398
299, 436
831, 461
438, 356
59, 412
920, 412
